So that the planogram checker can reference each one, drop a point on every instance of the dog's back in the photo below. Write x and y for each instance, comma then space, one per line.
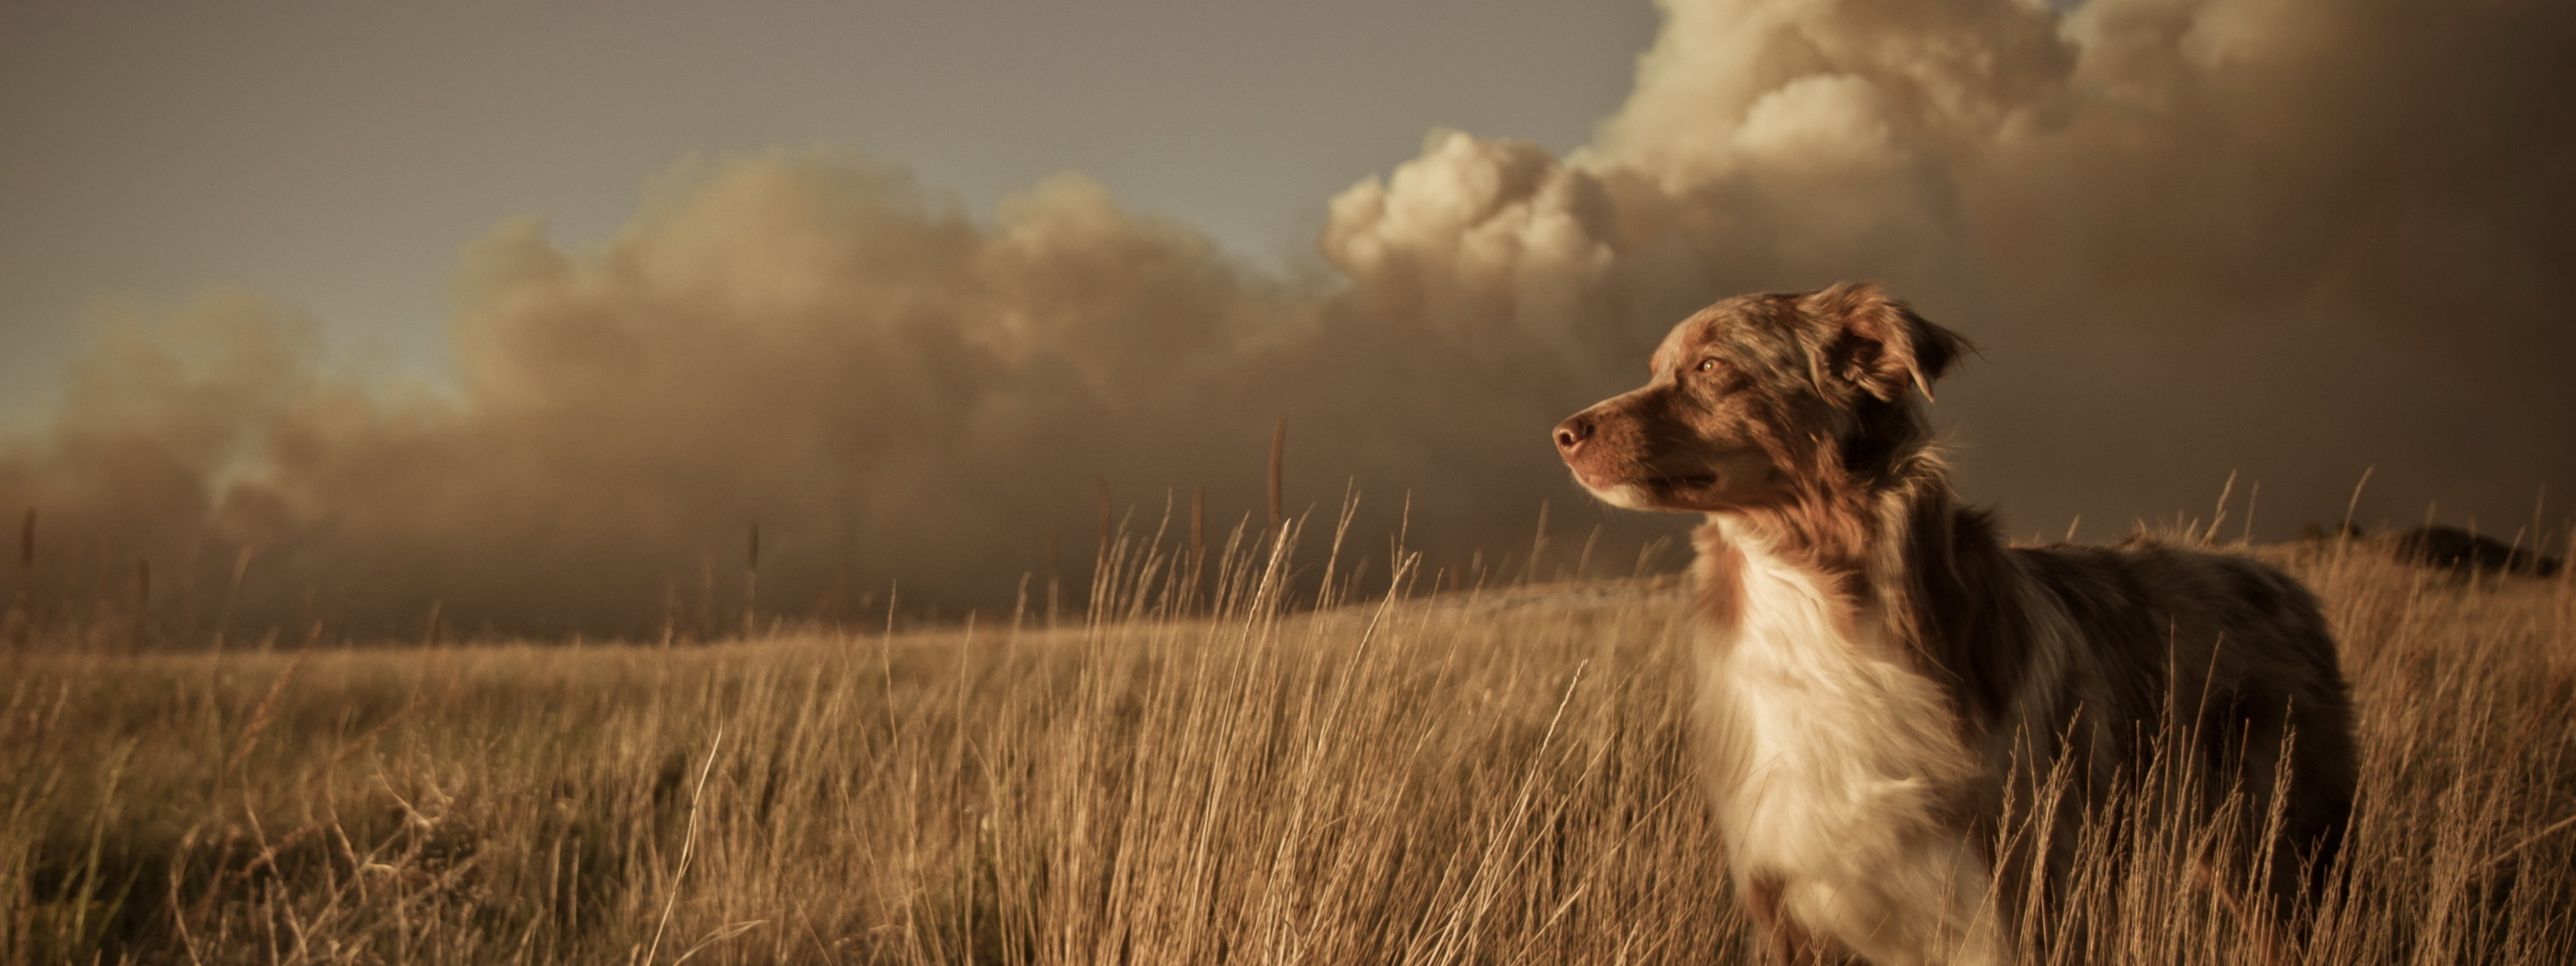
2207, 674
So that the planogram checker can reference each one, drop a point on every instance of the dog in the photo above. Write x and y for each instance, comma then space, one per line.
1887, 691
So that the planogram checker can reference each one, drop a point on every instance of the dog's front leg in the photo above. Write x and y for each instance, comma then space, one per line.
1781, 940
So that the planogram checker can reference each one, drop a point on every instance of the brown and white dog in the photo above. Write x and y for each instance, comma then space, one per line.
1881, 678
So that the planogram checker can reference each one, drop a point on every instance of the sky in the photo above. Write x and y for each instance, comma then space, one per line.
524, 313
337, 156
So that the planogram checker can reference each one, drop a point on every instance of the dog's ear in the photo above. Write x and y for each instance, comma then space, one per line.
1877, 343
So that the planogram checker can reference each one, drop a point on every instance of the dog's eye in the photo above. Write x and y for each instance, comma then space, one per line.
1706, 365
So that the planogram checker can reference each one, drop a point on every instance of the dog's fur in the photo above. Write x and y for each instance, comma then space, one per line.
1884, 687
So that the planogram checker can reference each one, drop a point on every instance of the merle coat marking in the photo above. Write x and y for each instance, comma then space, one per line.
1879, 674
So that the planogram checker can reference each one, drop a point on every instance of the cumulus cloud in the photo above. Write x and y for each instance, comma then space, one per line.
2297, 239
2292, 238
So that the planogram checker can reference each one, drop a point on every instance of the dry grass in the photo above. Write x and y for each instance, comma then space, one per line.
1490, 778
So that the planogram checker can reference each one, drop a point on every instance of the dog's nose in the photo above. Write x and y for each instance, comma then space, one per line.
1571, 433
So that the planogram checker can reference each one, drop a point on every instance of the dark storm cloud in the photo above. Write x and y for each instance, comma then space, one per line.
2292, 238
2296, 239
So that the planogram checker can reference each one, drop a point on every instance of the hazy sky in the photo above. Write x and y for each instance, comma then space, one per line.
337, 156
900, 282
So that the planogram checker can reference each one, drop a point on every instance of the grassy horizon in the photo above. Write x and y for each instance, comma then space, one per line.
1195, 775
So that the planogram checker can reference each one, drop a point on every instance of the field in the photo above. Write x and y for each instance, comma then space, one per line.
1376, 776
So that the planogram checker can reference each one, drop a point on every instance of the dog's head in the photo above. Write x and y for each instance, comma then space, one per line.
1748, 402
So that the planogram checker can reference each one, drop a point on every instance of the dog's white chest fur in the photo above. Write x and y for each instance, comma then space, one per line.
1841, 754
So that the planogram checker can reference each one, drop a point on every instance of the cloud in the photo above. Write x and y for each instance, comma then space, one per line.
2292, 238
